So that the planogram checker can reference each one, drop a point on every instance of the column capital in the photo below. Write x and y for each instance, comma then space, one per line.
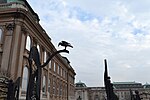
10, 26
24, 29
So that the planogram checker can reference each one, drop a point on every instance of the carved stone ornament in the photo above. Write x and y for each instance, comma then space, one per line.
24, 29
10, 26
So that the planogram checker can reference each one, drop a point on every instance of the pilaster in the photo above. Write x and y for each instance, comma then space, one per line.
15, 51
7, 47
22, 48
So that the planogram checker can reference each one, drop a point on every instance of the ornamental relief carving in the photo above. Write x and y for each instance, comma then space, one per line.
10, 27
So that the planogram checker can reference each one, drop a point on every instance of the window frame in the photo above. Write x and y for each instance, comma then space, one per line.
28, 43
54, 66
45, 56
1, 34
44, 84
49, 86
25, 79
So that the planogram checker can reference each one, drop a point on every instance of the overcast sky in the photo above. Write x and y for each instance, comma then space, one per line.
116, 30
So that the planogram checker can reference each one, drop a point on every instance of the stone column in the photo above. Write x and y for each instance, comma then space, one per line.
15, 52
21, 52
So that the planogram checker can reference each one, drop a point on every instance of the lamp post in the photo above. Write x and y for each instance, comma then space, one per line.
34, 84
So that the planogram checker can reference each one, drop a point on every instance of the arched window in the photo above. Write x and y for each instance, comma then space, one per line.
44, 85
28, 43
1, 33
25, 79
38, 47
39, 50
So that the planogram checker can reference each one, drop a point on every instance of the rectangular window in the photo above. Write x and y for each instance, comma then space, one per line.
44, 85
58, 69
61, 72
49, 85
54, 66
60, 88
45, 56
50, 64
1, 33
53, 86
64, 74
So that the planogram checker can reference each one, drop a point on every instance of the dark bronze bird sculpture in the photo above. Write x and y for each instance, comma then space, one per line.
65, 44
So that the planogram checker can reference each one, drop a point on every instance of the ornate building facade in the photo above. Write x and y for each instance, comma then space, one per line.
19, 30
123, 90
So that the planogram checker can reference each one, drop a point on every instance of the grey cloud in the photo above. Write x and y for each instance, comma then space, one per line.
94, 40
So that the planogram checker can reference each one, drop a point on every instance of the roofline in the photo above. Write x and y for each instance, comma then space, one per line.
126, 82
